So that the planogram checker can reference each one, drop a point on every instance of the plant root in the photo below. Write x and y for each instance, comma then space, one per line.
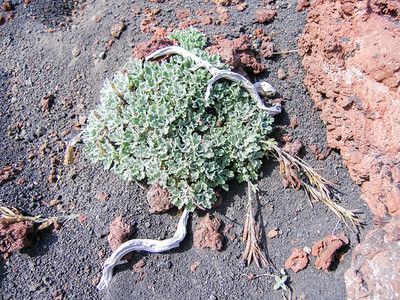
148, 245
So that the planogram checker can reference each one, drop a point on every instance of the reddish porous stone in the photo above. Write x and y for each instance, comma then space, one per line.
157, 41
15, 236
375, 267
236, 53
182, 14
351, 55
116, 29
119, 234
265, 16
297, 261
206, 234
8, 173
267, 49
293, 148
158, 199
326, 250
226, 2
302, 4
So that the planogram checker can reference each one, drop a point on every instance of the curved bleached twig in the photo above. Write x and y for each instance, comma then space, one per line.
223, 74
148, 245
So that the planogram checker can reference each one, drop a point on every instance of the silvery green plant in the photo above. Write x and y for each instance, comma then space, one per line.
176, 123
155, 123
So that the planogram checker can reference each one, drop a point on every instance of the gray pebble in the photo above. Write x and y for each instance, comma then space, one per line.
76, 52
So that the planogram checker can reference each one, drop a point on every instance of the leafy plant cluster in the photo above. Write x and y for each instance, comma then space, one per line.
153, 123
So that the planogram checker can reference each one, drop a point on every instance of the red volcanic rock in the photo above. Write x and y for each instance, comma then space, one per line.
182, 14
157, 41
375, 267
206, 234
158, 199
15, 236
326, 250
351, 55
237, 53
226, 2
265, 16
119, 234
297, 261
116, 29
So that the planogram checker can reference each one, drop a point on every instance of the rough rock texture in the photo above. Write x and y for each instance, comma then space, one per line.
375, 271
297, 261
226, 2
326, 250
119, 234
158, 199
8, 173
351, 55
265, 16
15, 236
116, 29
157, 41
206, 234
236, 53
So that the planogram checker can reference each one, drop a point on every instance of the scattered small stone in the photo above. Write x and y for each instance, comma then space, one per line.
120, 232
21, 181
95, 281
241, 7
206, 234
281, 74
293, 148
47, 102
267, 50
8, 173
272, 233
307, 250
116, 29
293, 122
297, 261
224, 16
319, 155
148, 24
76, 52
286, 138
13, 129
53, 202
82, 219
326, 250
227, 228
2, 20
141, 277
102, 196
302, 4
205, 20
182, 14
7, 6
137, 268
194, 266
102, 55
158, 199
226, 2
265, 16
